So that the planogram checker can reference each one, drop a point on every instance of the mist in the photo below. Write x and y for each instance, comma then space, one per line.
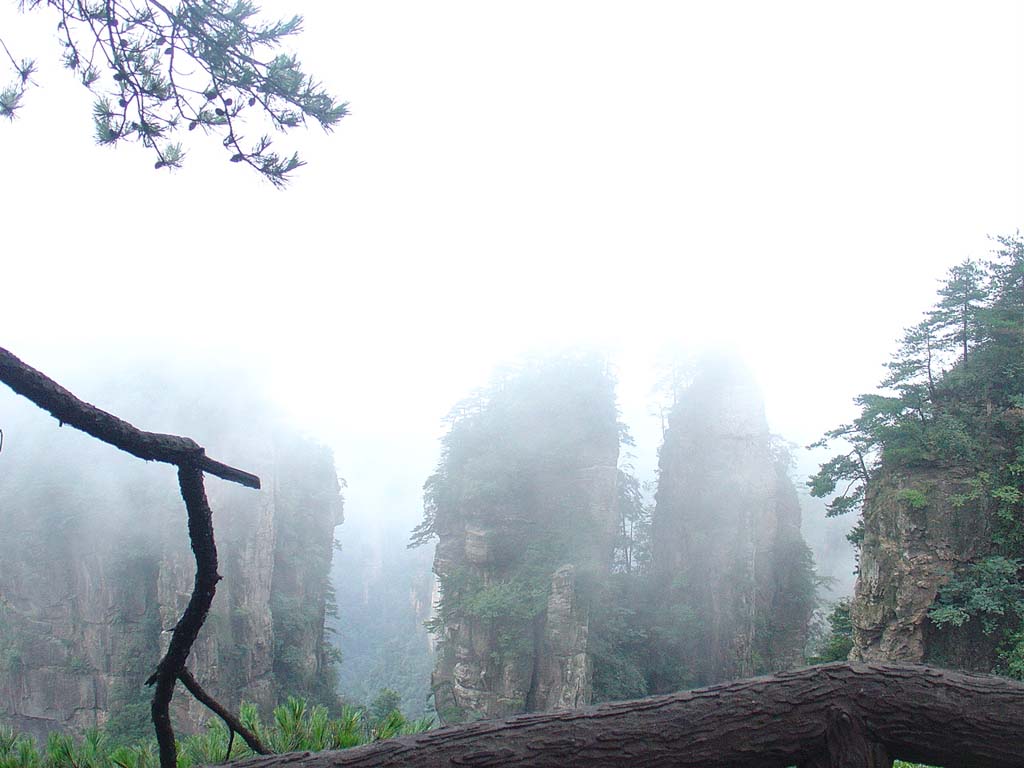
654, 185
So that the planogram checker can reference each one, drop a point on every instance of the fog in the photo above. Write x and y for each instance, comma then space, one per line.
785, 181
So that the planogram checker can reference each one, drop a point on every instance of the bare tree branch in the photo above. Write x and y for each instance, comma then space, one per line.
68, 409
191, 460
233, 723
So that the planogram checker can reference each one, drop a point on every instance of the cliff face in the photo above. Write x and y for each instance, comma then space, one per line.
534, 657
733, 571
936, 469
915, 539
97, 565
523, 506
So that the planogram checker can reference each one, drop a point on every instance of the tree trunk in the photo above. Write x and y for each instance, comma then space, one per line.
844, 714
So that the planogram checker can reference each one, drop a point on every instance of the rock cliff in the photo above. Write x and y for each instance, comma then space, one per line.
97, 566
523, 507
916, 537
934, 463
733, 572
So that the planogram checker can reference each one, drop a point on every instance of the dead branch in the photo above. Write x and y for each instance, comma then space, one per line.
233, 723
68, 409
192, 461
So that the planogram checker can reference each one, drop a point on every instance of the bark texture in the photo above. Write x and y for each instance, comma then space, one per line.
172, 666
844, 714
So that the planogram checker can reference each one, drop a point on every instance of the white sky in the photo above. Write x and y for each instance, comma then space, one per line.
787, 178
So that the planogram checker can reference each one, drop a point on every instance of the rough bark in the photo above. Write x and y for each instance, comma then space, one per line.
172, 665
844, 714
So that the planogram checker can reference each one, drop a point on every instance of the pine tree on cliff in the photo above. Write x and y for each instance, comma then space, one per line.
157, 70
955, 318
952, 410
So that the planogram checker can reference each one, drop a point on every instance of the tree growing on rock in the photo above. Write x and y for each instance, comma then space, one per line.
935, 464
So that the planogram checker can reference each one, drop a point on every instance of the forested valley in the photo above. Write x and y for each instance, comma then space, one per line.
545, 574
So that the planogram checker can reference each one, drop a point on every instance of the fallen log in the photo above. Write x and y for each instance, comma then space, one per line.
843, 714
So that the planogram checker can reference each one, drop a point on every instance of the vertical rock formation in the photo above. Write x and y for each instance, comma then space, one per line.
915, 538
523, 507
563, 669
937, 479
97, 566
732, 570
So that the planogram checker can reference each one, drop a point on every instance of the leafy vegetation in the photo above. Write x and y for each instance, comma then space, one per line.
956, 381
157, 70
837, 641
295, 726
954, 401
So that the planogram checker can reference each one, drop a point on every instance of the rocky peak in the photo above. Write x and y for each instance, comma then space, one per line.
726, 543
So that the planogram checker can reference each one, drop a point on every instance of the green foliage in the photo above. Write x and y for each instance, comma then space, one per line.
838, 642
532, 424
12, 94
954, 400
158, 70
632, 551
301, 596
514, 599
386, 702
619, 638
989, 590
295, 727
381, 608
624, 617
952, 383
18, 750
1011, 655
1007, 496
912, 498
785, 602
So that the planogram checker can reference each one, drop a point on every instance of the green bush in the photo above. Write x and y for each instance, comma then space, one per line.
295, 726
912, 498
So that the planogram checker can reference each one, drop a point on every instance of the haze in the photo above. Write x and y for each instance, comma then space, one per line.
788, 180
